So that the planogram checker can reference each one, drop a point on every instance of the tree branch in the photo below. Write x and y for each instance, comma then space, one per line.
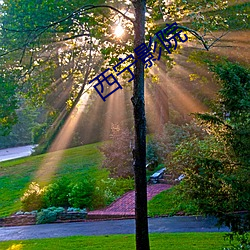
113, 8
42, 29
76, 12
201, 38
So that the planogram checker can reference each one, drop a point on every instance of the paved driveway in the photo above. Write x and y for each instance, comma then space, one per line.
156, 225
14, 153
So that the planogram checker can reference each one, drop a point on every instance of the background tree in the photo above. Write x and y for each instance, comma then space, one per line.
118, 155
8, 104
216, 168
165, 142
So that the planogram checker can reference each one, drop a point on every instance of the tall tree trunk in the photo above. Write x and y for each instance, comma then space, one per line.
139, 151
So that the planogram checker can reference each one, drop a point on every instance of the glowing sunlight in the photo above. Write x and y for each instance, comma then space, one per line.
119, 31
51, 161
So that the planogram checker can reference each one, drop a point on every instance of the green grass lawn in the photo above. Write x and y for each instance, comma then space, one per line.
170, 241
16, 175
169, 202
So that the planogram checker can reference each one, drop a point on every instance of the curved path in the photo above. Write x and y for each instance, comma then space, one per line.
125, 206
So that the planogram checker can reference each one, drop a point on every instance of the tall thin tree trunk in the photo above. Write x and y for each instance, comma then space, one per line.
139, 151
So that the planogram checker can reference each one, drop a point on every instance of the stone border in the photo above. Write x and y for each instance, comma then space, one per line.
30, 219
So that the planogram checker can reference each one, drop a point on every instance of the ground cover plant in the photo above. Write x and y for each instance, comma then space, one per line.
170, 241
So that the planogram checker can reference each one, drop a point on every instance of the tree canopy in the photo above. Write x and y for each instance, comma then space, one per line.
57, 45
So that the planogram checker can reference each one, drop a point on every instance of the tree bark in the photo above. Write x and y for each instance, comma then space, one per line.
139, 151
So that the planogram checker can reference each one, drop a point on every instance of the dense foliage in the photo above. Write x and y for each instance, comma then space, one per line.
217, 168
8, 105
56, 194
48, 215
162, 143
32, 199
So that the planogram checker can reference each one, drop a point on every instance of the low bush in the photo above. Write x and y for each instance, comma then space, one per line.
33, 198
48, 215
57, 193
242, 241
81, 194
109, 189
123, 185
73, 209
103, 194
87, 193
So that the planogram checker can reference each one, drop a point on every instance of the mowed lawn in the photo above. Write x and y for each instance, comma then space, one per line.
170, 241
16, 175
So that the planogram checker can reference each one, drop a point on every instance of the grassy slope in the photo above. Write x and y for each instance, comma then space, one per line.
169, 203
173, 241
16, 175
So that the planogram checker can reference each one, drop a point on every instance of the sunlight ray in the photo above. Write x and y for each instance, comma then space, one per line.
115, 112
51, 161
89, 125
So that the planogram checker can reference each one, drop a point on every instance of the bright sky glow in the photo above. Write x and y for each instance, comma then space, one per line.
119, 30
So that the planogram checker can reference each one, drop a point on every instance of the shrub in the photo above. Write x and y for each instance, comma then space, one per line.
152, 156
48, 215
243, 242
38, 131
73, 209
109, 189
208, 179
33, 197
56, 194
81, 194
123, 185
103, 194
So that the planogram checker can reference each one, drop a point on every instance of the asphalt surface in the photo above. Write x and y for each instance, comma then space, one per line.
14, 153
156, 225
